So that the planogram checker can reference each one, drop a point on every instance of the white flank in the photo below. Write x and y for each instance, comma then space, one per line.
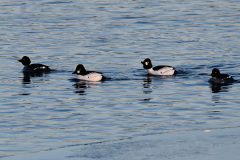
165, 71
94, 77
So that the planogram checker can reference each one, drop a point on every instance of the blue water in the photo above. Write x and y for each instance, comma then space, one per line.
52, 111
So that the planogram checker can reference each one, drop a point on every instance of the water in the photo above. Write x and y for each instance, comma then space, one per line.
51, 112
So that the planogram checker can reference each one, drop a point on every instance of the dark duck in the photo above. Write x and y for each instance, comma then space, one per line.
36, 68
219, 78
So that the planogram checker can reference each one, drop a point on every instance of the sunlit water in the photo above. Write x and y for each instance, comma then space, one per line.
53, 111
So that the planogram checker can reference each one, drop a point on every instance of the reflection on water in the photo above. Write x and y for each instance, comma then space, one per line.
82, 86
147, 85
147, 82
216, 98
26, 78
216, 87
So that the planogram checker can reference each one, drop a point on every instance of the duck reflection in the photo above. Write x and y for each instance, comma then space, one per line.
147, 85
147, 82
81, 86
218, 87
27, 77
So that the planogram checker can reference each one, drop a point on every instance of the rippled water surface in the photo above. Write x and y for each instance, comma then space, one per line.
53, 111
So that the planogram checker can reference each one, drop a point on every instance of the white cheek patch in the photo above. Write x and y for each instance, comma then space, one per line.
146, 63
78, 72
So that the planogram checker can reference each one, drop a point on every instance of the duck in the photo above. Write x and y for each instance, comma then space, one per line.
83, 74
161, 70
36, 68
219, 78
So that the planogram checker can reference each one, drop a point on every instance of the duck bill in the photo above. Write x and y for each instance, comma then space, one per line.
19, 60
74, 72
142, 62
